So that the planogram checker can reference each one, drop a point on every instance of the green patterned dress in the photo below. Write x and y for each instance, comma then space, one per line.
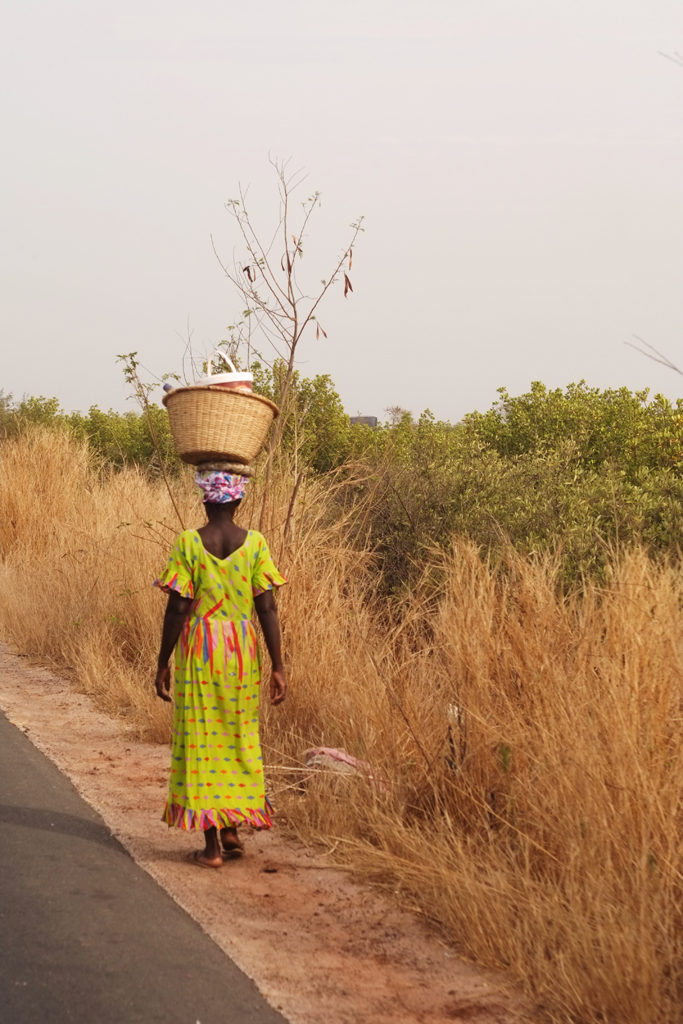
217, 768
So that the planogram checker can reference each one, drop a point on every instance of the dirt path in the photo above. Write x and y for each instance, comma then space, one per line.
322, 948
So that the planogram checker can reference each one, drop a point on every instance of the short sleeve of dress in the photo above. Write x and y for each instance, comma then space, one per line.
264, 576
178, 575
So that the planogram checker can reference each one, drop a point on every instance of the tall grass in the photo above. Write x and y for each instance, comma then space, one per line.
529, 743
79, 549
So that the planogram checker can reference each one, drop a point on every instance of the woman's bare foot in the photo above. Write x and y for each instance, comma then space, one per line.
198, 858
211, 856
231, 843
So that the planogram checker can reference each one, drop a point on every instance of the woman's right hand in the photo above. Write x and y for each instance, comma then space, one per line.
163, 683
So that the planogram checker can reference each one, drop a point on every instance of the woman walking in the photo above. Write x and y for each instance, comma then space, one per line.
215, 578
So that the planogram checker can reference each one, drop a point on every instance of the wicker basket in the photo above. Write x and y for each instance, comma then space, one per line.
213, 424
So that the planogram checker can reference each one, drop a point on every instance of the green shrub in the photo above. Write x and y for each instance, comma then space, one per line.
316, 425
577, 472
618, 427
117, 439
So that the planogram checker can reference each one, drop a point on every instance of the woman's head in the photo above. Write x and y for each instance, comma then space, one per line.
221, 488
218, 510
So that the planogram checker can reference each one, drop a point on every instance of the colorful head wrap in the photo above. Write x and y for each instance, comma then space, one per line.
221, 487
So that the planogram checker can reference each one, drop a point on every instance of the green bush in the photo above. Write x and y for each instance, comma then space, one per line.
117, 439
577, 472
617, 427
315, 425
125, 438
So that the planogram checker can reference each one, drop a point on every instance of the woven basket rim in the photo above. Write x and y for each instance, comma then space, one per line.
214, 388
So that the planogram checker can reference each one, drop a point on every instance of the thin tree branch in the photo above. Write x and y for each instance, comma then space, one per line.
664, 360
676, 57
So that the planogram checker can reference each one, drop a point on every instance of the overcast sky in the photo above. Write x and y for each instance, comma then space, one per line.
518, 162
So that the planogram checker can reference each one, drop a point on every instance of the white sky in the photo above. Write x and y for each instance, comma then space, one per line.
519, 164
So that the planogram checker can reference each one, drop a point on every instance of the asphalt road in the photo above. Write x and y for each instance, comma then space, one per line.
86, 936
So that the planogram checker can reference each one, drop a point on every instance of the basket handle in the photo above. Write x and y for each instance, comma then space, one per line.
218, 355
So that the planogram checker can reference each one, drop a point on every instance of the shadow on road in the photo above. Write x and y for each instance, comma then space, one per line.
58, 821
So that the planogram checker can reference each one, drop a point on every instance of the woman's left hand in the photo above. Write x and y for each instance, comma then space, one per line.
163, 683
278, 686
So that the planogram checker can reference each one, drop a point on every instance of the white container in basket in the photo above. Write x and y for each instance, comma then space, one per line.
238, 380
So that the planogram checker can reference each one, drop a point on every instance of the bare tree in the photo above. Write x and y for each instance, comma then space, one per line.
396, 414
276, 310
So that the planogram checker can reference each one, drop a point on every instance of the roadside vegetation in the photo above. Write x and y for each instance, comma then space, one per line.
579, 474
489, 613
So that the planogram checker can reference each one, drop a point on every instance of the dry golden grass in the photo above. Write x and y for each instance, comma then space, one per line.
531, 745
76, 564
